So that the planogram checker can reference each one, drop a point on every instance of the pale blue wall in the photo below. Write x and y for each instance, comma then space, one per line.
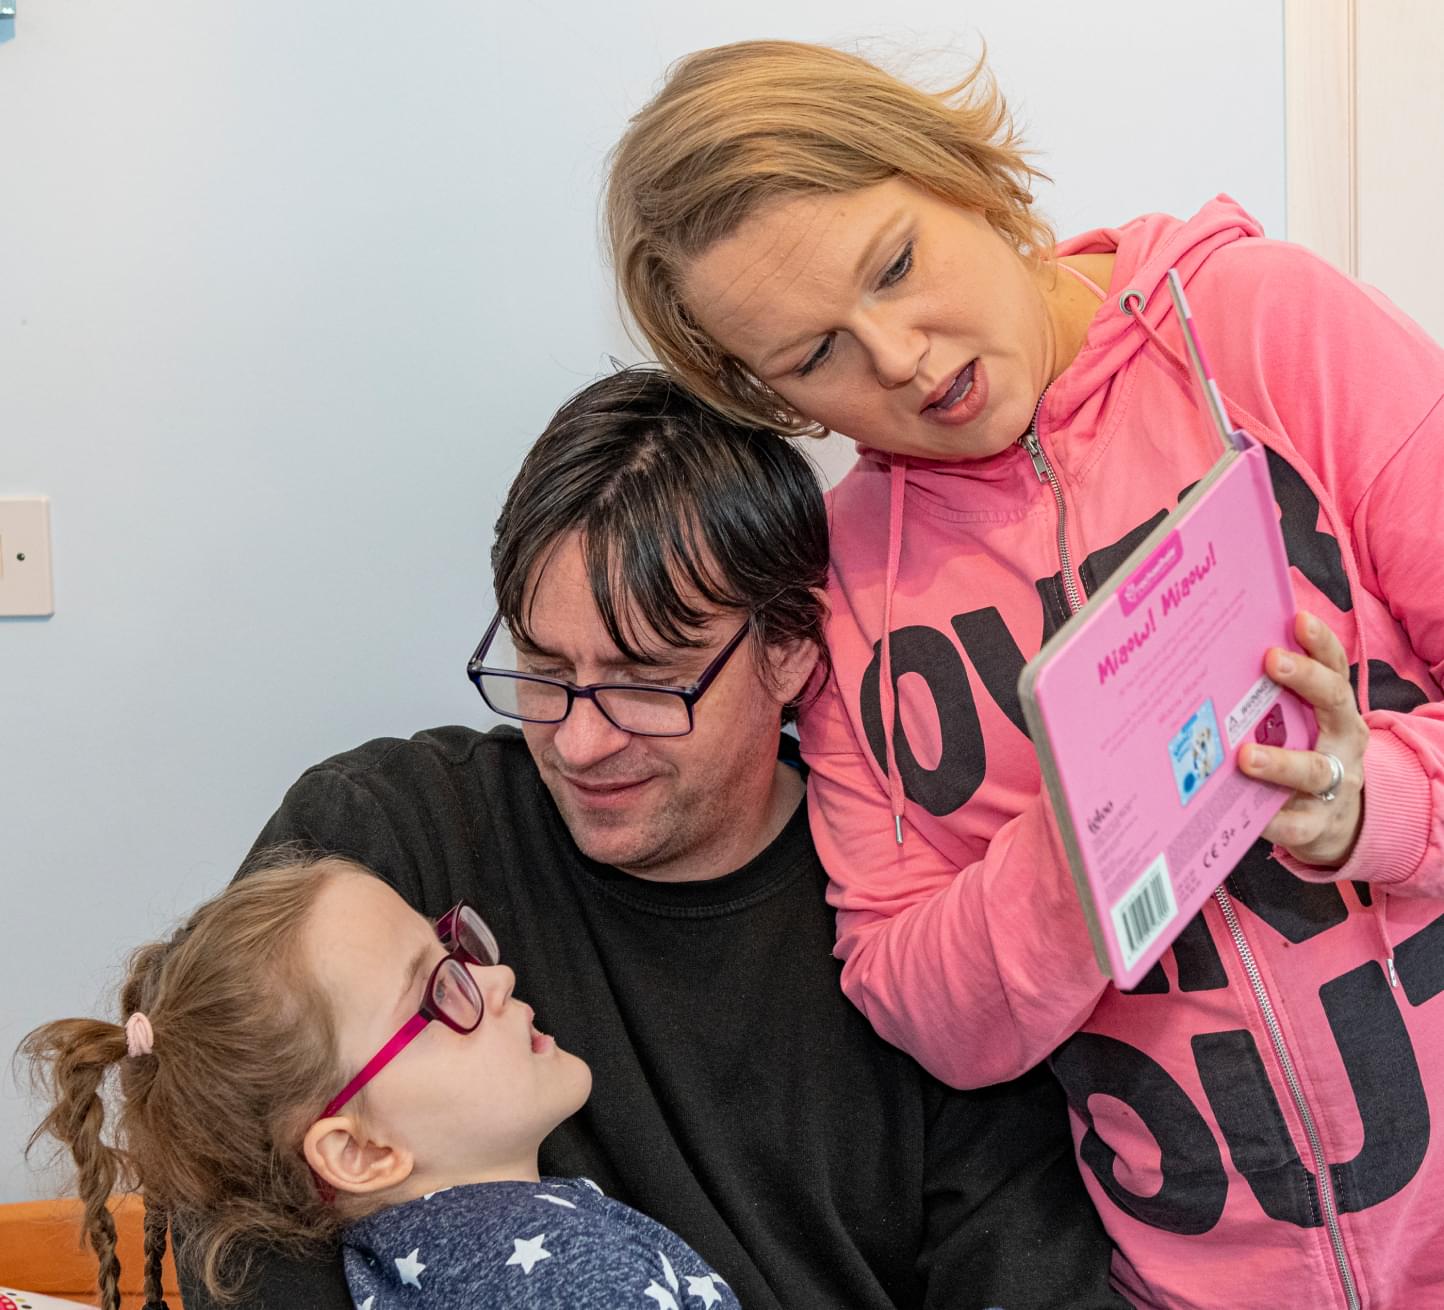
285, 290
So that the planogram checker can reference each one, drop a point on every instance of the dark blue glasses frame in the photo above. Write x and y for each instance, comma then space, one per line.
477, 670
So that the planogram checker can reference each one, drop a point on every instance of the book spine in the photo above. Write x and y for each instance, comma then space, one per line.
1093, 913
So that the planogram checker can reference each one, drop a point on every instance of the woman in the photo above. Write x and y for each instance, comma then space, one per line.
810, 243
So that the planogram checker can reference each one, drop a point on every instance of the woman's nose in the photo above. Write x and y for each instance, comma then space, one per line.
896, 350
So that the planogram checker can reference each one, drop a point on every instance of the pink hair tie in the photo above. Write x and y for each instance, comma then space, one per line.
139, 1036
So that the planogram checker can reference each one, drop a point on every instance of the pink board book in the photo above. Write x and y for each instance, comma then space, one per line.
1139, 703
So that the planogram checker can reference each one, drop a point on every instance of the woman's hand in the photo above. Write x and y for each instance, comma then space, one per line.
1312, 830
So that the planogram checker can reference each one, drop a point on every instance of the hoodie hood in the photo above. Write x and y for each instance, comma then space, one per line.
1144, 251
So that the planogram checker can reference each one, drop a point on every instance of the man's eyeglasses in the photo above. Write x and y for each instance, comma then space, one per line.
451, 997
638, 708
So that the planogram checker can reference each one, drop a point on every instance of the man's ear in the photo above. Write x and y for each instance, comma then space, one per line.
341, 1153
790, 666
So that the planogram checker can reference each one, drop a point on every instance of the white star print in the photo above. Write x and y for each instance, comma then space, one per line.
410, 1269
428, 1195
368, 1303
528, 1252
593, 1186
704, 1289
669, 1272
555, 1200
661, 1296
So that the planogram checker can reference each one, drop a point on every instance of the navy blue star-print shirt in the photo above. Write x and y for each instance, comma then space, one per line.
556, 1243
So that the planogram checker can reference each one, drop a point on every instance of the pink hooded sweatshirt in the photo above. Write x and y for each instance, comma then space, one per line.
1254, 1121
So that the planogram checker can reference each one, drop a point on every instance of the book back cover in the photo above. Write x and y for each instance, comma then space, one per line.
1139, 704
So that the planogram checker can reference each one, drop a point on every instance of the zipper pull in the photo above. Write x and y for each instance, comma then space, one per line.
1035, 452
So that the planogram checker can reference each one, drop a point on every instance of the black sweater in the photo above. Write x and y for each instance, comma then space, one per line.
738, 1097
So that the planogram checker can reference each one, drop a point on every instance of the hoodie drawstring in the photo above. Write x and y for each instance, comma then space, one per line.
1131, 302
897, 490
899, 475
1381, 918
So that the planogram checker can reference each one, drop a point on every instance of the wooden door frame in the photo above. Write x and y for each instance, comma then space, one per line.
1321, 131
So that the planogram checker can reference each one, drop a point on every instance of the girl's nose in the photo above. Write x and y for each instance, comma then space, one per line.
496, 983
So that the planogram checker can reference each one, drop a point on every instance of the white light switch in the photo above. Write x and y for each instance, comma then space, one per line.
25, 556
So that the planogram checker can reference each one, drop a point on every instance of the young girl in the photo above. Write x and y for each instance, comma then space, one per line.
810, 243
307, 1059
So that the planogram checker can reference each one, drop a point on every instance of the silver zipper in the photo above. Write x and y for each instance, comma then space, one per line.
1045, 473
1316, 1146
1044, 470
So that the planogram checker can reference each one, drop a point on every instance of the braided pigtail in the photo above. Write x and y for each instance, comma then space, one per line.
227, 1042
71, 1059
156, 1222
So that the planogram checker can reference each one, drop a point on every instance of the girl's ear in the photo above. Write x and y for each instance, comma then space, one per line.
341, 1154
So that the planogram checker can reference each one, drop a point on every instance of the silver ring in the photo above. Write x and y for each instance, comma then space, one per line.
1336, 777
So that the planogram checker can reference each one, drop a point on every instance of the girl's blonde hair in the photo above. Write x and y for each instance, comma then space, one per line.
740, 125
209, 1127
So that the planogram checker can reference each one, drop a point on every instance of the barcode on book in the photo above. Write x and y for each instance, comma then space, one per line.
1144, 911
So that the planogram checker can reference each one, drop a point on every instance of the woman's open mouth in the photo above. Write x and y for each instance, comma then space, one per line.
963, 398
961, 385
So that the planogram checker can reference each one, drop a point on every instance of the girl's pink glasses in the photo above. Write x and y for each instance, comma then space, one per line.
451, 997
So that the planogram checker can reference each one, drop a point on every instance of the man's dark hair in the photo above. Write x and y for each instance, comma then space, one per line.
677, 507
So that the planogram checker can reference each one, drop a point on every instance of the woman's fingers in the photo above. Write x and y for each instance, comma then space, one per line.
1307, 772
1320, 676
1311, 829
1316, 637
1293, 827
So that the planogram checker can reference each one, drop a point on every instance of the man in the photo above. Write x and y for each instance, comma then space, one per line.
640, 848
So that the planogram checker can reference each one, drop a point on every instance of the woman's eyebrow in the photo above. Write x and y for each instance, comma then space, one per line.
879, 238
769, 360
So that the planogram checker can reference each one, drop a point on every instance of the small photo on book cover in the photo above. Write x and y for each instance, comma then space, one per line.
1195, 752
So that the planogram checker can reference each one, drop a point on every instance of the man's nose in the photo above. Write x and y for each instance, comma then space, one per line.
587, 737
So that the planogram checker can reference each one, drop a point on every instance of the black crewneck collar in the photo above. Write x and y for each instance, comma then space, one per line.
768, 872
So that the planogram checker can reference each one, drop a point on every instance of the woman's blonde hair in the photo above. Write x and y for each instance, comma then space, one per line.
740, 125
209, 1126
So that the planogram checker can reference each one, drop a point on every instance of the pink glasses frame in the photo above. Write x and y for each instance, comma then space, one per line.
447, 930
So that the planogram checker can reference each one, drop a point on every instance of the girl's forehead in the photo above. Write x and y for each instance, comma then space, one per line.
362, 934
364, 901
